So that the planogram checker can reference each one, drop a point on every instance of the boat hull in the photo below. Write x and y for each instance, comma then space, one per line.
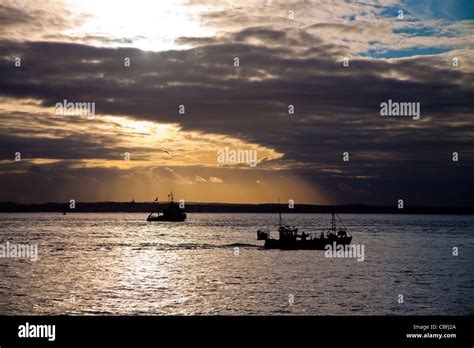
312, 244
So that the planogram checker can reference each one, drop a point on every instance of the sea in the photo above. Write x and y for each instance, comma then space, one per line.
212, 264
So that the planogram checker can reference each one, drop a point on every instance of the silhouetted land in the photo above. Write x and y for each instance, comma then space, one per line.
137, 207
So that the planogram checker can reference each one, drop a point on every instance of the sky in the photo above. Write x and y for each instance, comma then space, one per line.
174, 83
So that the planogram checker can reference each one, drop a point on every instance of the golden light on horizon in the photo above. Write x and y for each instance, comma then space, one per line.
161, 156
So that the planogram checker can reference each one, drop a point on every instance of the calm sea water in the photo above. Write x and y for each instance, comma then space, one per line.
116, 264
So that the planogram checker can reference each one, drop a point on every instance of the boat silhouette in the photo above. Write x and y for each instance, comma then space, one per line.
290, 239
171, 212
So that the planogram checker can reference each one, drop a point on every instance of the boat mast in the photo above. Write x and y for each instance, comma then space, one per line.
279, 209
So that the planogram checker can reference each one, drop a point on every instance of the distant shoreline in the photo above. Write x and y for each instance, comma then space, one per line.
144, 207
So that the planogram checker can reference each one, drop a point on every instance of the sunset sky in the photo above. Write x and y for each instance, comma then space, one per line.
289, 53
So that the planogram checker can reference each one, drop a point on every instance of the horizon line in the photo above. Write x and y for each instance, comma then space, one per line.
255, 204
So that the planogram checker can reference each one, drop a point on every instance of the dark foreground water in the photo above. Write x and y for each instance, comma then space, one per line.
212, 264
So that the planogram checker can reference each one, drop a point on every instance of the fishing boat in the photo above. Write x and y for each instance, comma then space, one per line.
171, 212
290, 239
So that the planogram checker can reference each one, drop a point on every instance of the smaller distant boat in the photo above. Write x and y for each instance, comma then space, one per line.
289, 239
172, 212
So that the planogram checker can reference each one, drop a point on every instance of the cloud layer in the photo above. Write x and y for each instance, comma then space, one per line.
281, 62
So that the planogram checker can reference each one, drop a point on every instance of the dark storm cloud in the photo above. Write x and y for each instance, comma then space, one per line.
336, 108
67, 147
